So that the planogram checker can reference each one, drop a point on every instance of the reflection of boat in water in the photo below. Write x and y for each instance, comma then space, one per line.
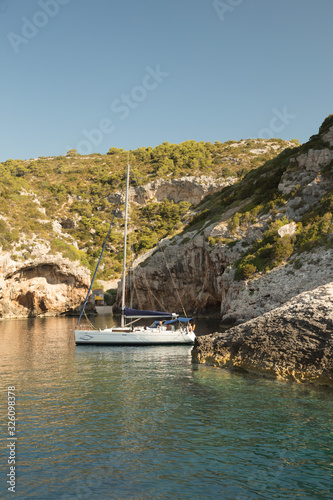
167, 329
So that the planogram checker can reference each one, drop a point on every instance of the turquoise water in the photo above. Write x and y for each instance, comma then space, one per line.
144, 423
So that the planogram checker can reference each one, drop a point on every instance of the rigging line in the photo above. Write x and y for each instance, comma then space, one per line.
133, 287
123, 291
136, 292
131, 271
153, 295
89, 322
150, 293
166, 263
100, 258
172, 279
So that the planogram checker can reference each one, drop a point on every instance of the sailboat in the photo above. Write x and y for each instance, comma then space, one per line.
166, 329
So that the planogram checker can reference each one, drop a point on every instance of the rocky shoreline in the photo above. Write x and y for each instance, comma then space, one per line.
245, 248
292, 342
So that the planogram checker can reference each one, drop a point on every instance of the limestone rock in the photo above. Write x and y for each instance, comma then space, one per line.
242, 301
171, 278
287, 229
188, 188
47, 286
199, 264
314, 160
292, 342
305, 169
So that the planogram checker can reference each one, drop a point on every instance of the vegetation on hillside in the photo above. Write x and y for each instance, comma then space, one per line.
258, 195
81, 193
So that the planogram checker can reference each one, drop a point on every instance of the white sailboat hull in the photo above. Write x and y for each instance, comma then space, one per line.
139, 336
159, 335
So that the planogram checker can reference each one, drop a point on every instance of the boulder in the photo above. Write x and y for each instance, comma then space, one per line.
292, 342
287, 229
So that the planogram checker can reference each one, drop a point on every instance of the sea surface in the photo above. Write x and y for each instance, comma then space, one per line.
145, 423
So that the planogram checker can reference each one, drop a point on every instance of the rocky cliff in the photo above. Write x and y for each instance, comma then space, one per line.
252, 246
46, 286
292, 342
63, 205
187, 188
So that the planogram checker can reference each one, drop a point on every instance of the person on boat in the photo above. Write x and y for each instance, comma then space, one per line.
191, 327
162, 326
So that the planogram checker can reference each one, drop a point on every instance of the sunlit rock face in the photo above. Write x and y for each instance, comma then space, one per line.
293, 342
195, 269
188, 188
43, 287
181, 277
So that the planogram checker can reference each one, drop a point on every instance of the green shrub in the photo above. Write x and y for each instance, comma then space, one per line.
283, 249
202, 216
266, 253
211, 241
316, 229
69, 251
110, 296
245, 271
234, 222
298, 264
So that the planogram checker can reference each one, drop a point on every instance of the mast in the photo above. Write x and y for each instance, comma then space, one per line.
125, 249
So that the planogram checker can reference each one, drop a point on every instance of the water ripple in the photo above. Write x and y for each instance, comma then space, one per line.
144, 423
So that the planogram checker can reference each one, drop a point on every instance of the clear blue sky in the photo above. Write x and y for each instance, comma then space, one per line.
95, 74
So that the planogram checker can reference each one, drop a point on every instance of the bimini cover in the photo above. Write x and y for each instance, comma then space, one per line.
136, 313
172, 321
